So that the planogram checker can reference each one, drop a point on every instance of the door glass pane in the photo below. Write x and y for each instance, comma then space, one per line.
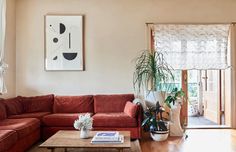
170, 84
193, 81
193, 93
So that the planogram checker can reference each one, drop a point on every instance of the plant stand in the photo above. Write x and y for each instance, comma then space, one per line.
175, 126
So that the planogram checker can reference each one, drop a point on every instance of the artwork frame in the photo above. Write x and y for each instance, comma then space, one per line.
64, 42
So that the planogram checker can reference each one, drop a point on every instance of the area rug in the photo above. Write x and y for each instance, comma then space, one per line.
135, 147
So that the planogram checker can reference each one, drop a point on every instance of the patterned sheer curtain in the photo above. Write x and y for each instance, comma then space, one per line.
3, 65
191, 46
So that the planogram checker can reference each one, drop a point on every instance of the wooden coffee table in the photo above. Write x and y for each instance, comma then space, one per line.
71, 139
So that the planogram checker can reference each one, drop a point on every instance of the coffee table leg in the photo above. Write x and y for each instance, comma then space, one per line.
65, 150
121, 150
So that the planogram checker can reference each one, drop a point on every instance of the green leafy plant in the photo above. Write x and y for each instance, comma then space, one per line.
173, 96
150, 71
154, 120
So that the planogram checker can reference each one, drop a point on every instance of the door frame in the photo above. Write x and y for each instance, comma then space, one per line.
184, 82
184, 107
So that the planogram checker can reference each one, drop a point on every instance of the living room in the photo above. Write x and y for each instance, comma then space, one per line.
113, 35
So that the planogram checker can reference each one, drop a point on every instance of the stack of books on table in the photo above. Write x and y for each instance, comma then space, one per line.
108, 137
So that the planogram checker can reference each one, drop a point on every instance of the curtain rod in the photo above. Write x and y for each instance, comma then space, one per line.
149, 23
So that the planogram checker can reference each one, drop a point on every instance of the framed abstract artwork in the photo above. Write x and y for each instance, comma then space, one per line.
64, 42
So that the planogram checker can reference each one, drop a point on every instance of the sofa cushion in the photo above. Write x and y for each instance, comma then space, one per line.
38, 115
113, 120
111, 103
130, 109
37, 103
7, 139
61, 119
3, 112
73, 104
23, 126
13, 106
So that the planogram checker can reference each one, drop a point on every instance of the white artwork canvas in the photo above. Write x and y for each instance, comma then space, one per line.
64, 42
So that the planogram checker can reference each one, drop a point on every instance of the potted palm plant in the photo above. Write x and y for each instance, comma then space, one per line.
151, 73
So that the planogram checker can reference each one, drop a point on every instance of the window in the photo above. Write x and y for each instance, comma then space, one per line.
170, 84
188, 47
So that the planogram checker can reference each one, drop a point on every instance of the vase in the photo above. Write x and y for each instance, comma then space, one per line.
175, 126
84, 133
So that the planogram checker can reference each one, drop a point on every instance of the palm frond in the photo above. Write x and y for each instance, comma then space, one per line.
150, 68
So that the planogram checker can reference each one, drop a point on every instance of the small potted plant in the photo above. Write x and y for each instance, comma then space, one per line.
154, 123
84, 124
174, 96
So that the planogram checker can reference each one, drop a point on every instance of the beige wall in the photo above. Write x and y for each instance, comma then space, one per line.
114, 34
10, 54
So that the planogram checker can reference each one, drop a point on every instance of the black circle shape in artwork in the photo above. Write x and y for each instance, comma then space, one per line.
62, 28
70, 56
55, 40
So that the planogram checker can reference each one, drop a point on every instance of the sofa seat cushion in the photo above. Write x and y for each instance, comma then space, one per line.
111, 103
23, 126
7, 139
38, 115
61, 119
113, 120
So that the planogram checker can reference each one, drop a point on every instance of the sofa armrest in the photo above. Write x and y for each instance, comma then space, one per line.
139, 119
139, 115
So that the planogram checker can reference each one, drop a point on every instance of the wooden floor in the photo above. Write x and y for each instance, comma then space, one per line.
199, 140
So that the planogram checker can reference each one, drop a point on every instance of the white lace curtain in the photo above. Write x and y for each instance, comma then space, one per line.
193, 46
3, 65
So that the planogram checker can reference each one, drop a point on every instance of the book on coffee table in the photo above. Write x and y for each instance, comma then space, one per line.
107, 137
120, 140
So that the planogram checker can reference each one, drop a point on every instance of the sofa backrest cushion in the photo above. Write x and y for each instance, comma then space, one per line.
3, 111
111, 103
13, 106
131, 109
37, 103
73, 104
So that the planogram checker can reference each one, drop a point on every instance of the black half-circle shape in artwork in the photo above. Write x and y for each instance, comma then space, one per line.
62, 28
70, 56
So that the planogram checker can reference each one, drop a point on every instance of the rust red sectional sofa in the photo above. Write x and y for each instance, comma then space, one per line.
25, 120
